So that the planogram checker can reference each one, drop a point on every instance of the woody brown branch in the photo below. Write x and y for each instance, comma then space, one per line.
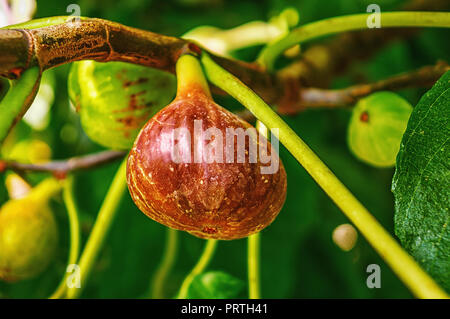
104, 41
62, 167
316, 97
321, 98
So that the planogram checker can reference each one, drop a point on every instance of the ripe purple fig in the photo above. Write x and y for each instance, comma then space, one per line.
199, 168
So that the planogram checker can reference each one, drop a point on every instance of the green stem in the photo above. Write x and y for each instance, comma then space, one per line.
45, 190
253, 249
253, 33
103, 223
190, 76
354, 22
170, 253
18, 99
254, 289
418, 281
201, 265
74, 224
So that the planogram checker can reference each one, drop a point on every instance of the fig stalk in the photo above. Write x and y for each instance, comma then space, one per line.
190, 78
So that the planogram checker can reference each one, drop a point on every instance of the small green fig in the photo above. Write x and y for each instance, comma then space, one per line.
376, 128
116, 99
28, 233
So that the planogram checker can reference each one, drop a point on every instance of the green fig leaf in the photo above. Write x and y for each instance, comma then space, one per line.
421, 183
215, 285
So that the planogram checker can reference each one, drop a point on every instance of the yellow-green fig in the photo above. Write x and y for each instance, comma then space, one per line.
28, 233
116, 99
376, 128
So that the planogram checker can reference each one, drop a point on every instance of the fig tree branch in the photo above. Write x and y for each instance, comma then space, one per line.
44, 43
50, 42
63, 167
314, 97
104, 41
317, 97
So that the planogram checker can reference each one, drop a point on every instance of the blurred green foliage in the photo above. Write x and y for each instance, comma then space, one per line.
298, 257
215, 285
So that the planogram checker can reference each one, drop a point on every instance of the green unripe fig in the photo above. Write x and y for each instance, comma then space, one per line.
28, 233
377, 126
116, 99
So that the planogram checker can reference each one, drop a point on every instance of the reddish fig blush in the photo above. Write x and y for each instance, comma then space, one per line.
204, 186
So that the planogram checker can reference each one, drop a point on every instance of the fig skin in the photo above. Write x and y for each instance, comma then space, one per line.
116, 99
28, 234
376, 128
209, 200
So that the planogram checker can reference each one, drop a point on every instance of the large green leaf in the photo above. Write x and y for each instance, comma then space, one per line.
421, 183
215, 285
